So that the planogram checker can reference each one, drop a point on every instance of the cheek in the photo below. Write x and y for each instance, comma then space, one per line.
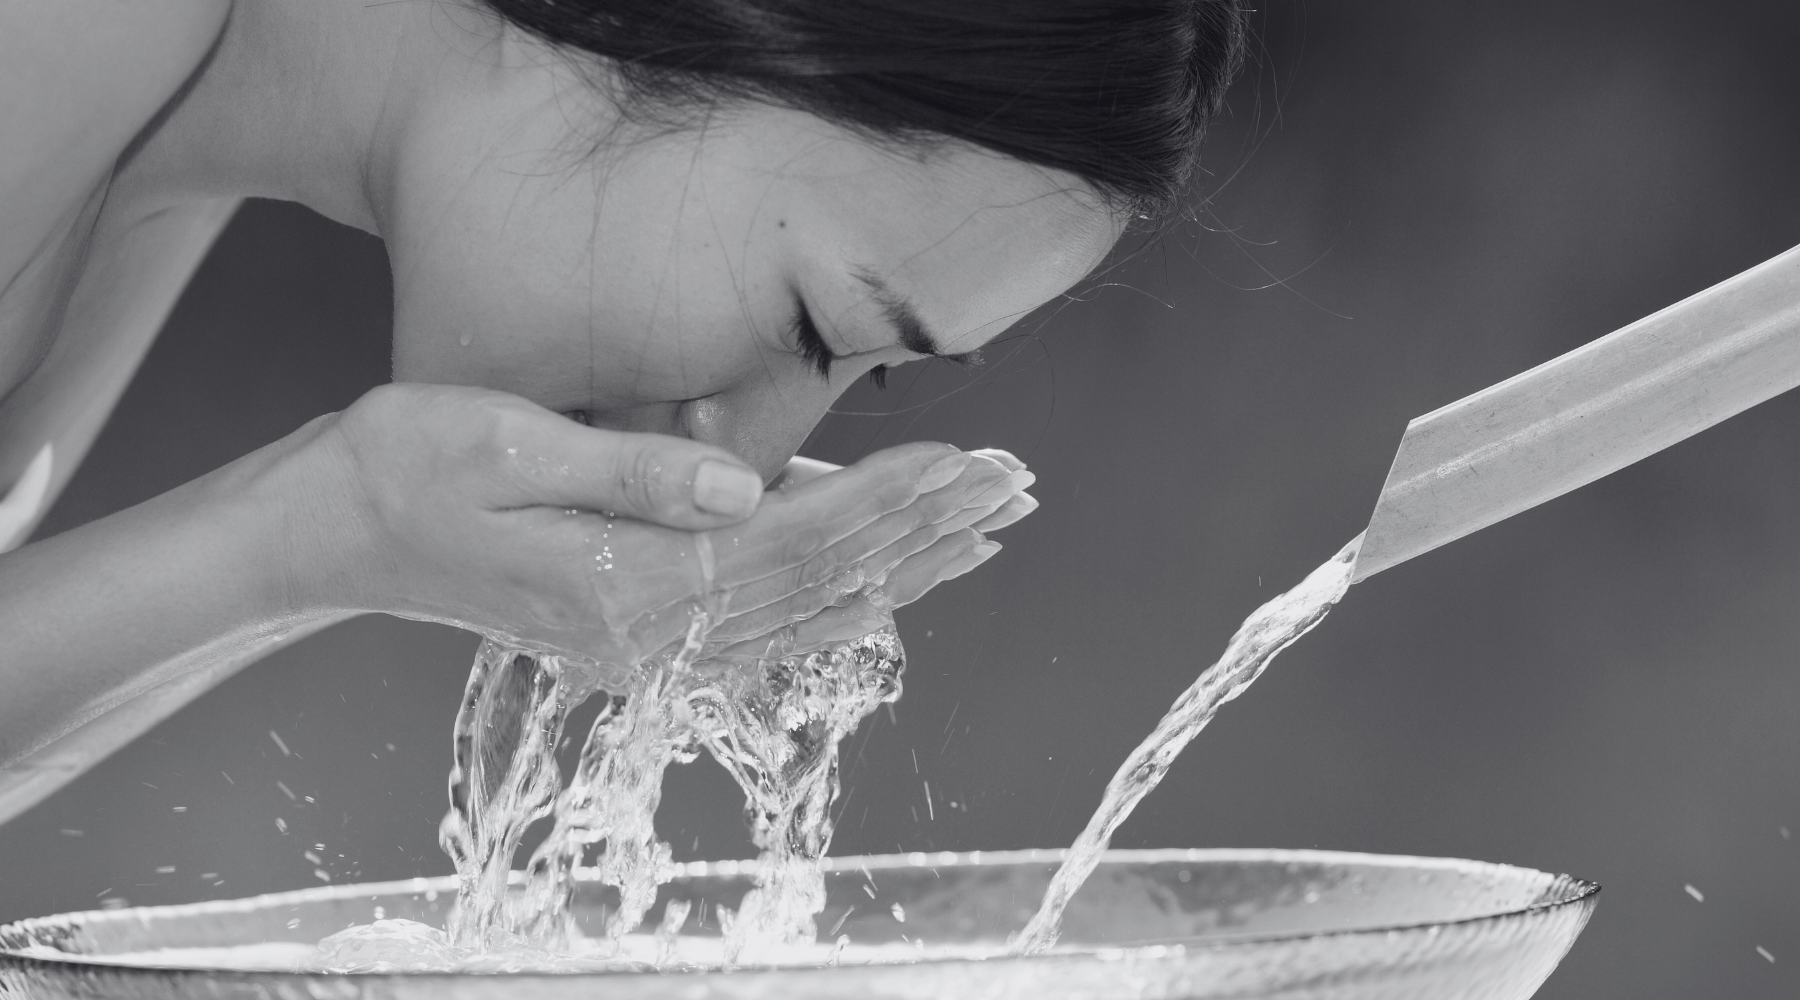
625, 343
578, 298
568, 356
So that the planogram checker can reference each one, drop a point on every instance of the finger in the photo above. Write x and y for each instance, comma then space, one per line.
1002, 456
878, 566
666, 480
977, 476
873, 570
851, 552
795, 607
967, 517
931, 516
951, 557
800, 470
1004, 489
1010, 512
666, 582
794, 527
989, 503
878, 546
791, 544
838, 623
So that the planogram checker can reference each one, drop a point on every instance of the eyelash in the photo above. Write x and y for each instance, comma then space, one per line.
810, 344
813, 350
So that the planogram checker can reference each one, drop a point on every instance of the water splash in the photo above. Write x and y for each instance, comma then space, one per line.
774, 722
502, 780
612, 801
1269, 630
777, 728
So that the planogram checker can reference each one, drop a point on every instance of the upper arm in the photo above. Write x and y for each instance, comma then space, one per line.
78, 80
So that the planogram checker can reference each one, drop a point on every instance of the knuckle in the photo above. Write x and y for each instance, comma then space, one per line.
492, 429
637, 479
893, 494
383, 398
368, 418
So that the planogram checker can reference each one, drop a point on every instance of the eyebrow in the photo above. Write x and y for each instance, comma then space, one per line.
903, 316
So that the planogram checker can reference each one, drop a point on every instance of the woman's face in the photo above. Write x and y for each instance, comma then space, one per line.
673, 282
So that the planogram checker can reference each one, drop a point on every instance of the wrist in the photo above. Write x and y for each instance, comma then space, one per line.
292, 503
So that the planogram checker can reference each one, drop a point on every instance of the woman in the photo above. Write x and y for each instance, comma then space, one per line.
686, 225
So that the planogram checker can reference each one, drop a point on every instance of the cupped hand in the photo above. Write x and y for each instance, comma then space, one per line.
952, 543
484, 510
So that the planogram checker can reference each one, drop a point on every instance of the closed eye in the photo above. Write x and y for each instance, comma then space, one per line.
809, 344
817, 354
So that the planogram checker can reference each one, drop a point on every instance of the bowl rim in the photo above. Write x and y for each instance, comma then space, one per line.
1580, 892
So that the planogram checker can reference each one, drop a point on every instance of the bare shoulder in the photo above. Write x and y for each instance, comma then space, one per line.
78, 80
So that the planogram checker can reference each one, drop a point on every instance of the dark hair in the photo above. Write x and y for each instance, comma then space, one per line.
1117, 92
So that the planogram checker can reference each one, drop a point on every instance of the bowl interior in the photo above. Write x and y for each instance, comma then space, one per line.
1134, 898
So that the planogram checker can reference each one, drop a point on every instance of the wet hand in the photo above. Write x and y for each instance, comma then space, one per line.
954, 542
483, 510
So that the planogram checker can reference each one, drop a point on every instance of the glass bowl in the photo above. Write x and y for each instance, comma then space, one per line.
1148, 924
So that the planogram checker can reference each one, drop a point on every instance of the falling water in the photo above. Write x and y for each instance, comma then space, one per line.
776, 728
1269, 630
774, 722
505, 778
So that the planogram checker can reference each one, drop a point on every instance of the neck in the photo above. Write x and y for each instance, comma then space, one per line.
303, 100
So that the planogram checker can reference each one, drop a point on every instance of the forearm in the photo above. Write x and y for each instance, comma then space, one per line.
107, 629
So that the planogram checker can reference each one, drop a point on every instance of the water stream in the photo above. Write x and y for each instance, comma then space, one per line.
1269, 630
775, 723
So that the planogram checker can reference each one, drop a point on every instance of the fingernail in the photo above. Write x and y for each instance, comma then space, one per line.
944, 471
731, 490
1006, 458
968, 561
1006, 488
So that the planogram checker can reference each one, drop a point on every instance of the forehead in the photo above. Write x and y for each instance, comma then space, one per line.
954, 224
915, 183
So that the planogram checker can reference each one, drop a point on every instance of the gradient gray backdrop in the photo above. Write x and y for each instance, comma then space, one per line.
1606, 685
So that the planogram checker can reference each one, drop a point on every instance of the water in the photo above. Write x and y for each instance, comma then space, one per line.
408, 946
1269, 630
504, 778
774, 722
777, 728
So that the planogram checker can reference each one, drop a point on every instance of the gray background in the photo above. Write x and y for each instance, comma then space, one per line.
1450, 193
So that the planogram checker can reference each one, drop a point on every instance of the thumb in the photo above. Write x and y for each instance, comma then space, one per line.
659, 478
